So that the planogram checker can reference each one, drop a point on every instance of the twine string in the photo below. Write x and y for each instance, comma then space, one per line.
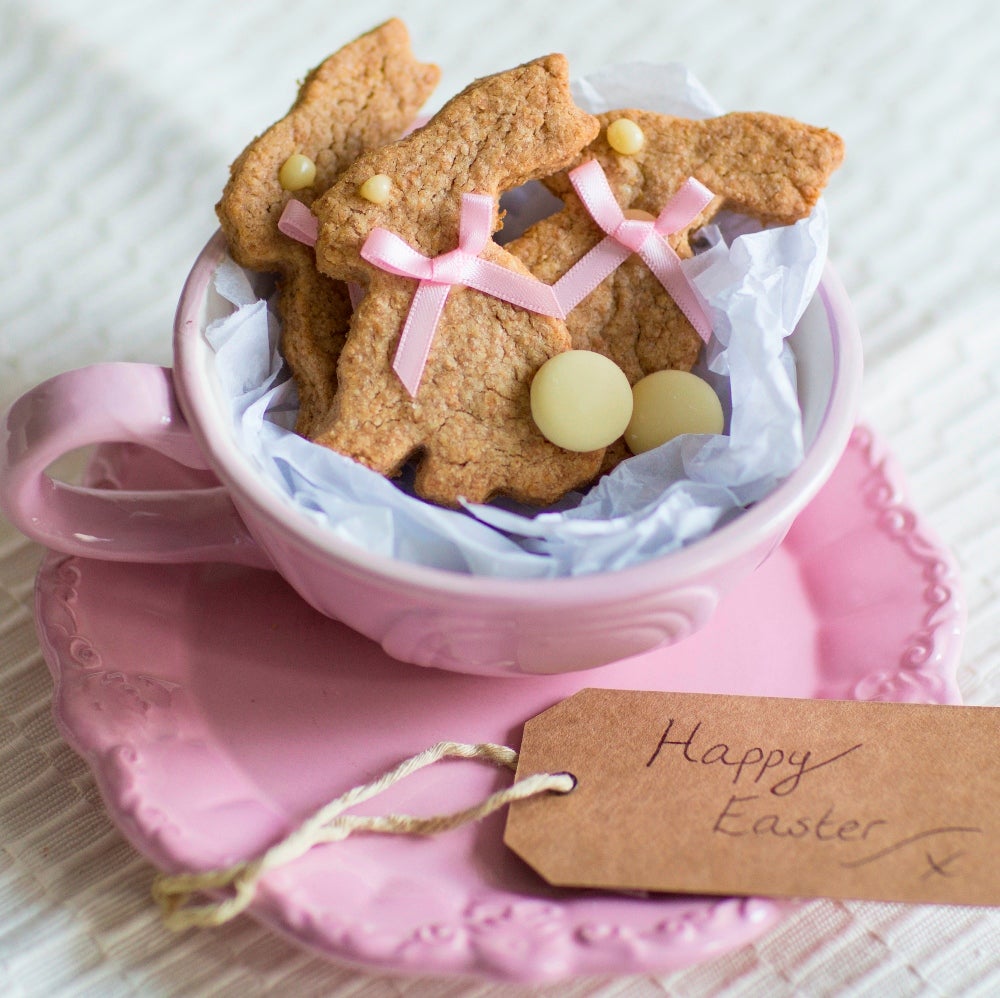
177, 894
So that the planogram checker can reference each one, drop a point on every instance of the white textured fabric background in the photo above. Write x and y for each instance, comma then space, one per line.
117, 123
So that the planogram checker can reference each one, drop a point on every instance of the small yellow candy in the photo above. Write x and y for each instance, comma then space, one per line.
376, 189
625, 136
297, 172
666, 404
581, 400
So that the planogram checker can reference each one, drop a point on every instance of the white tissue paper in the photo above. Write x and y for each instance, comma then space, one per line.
756, 283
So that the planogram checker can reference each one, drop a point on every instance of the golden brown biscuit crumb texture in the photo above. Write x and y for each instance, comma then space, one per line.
469, 426
764, 165
366, 94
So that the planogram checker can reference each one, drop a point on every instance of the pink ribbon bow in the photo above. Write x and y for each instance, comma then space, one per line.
436, 275
626, 236
299, 223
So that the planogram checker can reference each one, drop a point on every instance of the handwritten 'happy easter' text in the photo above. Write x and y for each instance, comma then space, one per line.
755, 760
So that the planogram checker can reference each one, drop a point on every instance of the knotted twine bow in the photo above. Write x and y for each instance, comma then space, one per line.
437, 275
626, 236
175, 894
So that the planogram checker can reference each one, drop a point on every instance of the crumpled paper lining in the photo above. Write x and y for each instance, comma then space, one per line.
756, 283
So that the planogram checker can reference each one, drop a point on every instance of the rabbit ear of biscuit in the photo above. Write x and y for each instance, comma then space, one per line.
773, 168
364, 95
498, 133
533, 126
764, 165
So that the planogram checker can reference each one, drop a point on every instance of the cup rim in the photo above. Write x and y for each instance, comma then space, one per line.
755, 526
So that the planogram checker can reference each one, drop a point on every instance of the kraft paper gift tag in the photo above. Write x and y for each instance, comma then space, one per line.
711, 794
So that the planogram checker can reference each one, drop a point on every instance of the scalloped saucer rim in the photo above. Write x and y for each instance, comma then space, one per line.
239, 678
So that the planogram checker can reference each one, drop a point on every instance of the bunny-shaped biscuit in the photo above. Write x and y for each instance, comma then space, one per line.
763, 165
362, 96
470, 420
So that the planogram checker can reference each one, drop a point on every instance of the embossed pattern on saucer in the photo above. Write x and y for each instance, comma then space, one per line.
217, 710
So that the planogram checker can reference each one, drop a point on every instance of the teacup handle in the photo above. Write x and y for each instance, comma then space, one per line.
114, 403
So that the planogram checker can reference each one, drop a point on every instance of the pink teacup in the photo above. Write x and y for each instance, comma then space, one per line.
427, 616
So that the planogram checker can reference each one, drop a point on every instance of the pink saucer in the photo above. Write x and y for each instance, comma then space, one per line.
217, 710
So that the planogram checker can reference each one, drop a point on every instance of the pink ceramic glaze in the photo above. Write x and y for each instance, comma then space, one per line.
218, 710
427, 616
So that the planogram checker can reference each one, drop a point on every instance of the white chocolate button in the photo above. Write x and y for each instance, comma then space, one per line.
581, 400
669, 403
297, 172
376, 189
625, 136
